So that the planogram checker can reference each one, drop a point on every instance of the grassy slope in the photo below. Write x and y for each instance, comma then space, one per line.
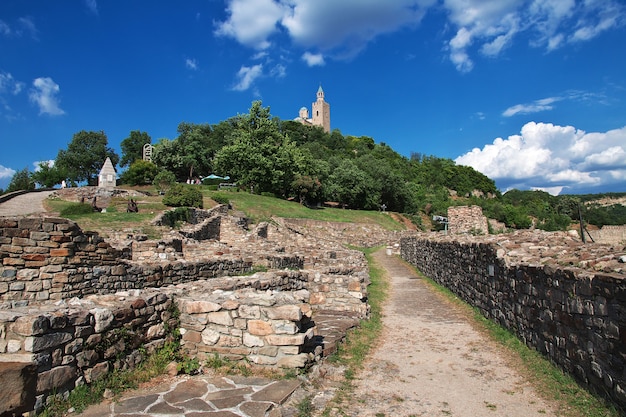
256, 207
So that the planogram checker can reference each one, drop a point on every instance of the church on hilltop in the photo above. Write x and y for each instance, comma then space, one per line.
320, 110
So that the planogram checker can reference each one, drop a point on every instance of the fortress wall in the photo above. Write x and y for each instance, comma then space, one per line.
609, 234
576, 318
467, 219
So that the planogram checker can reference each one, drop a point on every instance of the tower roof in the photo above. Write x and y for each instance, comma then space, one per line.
319, 90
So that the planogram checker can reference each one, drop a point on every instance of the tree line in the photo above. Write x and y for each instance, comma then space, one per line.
286, 159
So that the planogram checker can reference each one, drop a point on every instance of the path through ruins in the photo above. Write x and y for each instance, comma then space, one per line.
431, 362
25, 204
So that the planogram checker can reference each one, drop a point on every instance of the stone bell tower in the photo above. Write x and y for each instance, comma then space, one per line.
321, 111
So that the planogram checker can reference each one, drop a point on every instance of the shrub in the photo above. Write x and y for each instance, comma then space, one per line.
182, 195
164, 180
172, 217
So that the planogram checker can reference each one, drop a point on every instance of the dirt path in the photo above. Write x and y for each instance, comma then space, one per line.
432, 362
22, 205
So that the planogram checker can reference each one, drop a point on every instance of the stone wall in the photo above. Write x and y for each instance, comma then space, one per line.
78, 342
52, 259
609, 234
533, 285
467, 219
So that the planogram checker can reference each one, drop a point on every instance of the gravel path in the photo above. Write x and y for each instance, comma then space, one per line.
25, 204
431, 362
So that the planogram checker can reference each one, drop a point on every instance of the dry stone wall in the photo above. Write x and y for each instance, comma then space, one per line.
565, 299
61, 346
467, 219
74, 307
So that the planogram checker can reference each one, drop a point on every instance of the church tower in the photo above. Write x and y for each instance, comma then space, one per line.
321, 111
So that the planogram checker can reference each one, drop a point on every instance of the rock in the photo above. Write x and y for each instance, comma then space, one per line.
19, 383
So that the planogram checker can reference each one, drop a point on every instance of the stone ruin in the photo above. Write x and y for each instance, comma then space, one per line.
74, 306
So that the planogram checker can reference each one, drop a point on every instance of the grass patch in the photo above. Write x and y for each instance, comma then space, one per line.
360, 341
548, 380
261, 208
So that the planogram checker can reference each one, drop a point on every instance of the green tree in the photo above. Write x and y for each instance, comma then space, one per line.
132, 147
85, 155
48, 176
260, 156
190, 154
21, 180
140, 172
352, 187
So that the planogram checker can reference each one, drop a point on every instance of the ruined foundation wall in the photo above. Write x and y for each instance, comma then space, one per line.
60, 347
575, 317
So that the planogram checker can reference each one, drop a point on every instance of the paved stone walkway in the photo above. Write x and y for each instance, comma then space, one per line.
201, 396
25, 204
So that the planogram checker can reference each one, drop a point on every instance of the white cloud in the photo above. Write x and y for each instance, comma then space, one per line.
341, 29
44, 94
9, 85
347, 25
246, 76
251, 22
92, 6
313, 60
491, 26
546, 156
278, 71
534, 107
191, 64
6, 173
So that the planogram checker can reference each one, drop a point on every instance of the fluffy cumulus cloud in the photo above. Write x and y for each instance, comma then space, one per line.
45, 95
550, 157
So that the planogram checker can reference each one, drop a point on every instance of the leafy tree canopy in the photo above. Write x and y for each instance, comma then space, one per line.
85, 155
132, 147
21, 180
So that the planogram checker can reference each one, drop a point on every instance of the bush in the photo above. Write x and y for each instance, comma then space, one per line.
182, 195
76, 208
140, 172
164, 180
173, 217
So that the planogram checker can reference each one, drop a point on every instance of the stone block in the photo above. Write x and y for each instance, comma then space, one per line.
222, 318
19, 384
195, 307
56, 378
286, 312
48, 341
260, 327
249, 312
250, 340
27, 274
31, 325
295, 361
210, 336
61, 252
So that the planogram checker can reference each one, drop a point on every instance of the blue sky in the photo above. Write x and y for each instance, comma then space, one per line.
530, 92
